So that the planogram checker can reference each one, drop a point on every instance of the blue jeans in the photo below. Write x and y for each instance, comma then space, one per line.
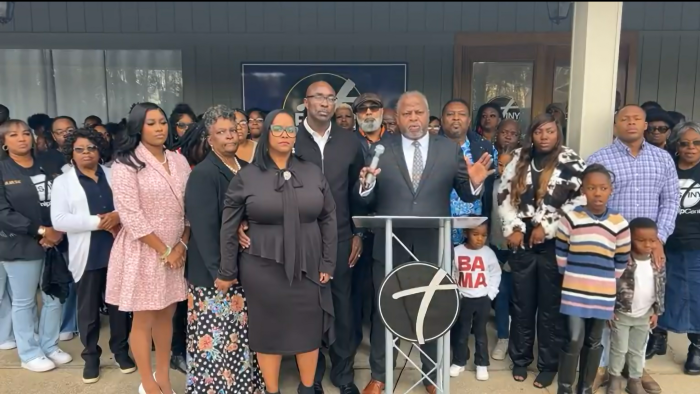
23, 278
502, 306
69, 321
5, 311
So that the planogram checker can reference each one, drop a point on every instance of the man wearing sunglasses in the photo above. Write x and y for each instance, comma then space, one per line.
659, 128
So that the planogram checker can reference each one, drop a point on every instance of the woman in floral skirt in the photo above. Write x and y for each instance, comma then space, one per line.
219, 360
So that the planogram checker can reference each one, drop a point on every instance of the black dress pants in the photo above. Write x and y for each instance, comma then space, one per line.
585, 344
535, 307
377, 355
362, 289
342, 351
473, 312
89, 294
179, 341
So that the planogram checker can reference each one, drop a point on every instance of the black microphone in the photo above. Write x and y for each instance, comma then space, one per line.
378, 151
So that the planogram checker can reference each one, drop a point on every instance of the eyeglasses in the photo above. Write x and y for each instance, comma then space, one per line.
278, 130
686, 144
660, 129
255, 120
433, 127
63, 132
89, 149
321, 99
363, 108
242, 123
183, 125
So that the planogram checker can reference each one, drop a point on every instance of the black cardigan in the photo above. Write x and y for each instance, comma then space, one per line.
204, 203
341, 164
20, 213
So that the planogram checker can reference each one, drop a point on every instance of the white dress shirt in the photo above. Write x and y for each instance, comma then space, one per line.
408, 151
321, 140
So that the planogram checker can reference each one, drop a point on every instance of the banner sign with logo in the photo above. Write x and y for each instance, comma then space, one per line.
271, 86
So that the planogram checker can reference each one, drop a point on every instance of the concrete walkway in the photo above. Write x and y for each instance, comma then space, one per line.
668, 370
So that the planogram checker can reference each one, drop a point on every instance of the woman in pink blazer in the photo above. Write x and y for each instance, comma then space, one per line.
146, 274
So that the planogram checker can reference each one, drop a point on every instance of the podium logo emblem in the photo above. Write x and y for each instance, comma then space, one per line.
418, 302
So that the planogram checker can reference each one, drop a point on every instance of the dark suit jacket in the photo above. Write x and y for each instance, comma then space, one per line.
393, 194
204, 203
341, 164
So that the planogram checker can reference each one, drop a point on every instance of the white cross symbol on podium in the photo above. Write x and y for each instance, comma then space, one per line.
428, 292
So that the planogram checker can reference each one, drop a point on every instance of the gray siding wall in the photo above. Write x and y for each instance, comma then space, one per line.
215, 37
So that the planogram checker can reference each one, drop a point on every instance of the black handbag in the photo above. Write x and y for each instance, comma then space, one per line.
56, 279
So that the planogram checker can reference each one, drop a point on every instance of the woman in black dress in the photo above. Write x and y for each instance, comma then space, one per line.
219, 358
286, 269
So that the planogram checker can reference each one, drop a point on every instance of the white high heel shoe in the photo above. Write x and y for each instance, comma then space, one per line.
143, 391
154, 378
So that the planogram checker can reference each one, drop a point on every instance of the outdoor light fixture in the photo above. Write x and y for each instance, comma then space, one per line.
7, 11
558, 11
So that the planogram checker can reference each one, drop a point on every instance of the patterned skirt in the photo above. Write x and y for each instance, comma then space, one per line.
219, 360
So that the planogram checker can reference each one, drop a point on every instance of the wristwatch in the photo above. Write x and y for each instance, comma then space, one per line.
41, 231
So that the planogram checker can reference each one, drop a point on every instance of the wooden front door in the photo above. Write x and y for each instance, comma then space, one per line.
525, 72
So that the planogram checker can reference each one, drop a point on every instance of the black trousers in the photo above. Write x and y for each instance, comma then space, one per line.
179, 341
377, 355
89, 296
535, 307
342, 351
584, 344
362, 289
473, 312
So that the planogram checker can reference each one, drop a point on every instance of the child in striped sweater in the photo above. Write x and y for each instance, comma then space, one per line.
592, 248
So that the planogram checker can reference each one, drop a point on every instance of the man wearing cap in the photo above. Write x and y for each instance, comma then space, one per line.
339, 154
369, 112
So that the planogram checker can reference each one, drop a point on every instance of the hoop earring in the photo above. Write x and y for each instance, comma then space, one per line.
4, 147
102, 161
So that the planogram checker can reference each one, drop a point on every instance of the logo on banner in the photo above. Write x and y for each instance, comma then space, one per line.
294, 100
418, 302
509, 107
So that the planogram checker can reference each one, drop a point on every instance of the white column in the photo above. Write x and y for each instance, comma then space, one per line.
595, 50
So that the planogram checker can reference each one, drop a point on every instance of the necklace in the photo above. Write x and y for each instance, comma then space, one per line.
534, 168
235, 161
165, 158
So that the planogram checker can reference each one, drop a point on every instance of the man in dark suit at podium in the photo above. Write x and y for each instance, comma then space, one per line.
418, 172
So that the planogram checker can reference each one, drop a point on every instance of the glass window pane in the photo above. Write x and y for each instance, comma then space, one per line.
137, 76
79, 78
508, 84
24, 86
562, 76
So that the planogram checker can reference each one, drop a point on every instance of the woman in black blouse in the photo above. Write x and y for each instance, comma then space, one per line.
25, 231
286, 269
214, 305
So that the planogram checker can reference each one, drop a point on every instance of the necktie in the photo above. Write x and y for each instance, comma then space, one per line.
417, 165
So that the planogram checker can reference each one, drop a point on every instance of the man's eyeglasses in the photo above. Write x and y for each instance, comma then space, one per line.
321, 99
277, 130
63, 132
183, 125
660, 129
686, 144
89, 149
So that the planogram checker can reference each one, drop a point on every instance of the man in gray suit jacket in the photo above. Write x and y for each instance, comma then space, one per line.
418, 172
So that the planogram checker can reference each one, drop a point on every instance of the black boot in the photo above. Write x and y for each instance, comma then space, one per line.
567, 372
305, 390
692, 364
657, 343
588, 368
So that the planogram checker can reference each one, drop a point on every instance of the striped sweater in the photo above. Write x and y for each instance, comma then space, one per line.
592, 253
